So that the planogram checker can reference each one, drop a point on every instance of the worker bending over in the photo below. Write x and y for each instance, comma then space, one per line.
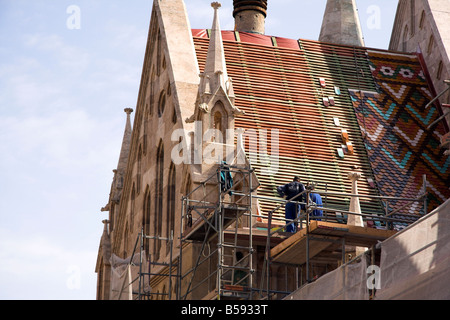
291, 190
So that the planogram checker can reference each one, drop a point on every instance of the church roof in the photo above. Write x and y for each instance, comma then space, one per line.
316, 94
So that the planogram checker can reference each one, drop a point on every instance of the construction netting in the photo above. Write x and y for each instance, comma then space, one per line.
347, 282
415, 263
124, 277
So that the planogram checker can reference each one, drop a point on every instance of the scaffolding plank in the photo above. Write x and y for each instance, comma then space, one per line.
322, 236
296, 254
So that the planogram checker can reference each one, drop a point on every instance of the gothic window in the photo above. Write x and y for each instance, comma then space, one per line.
139, 171
405, 39
422, 20
161, 103
170, 223
174, 116
132, 207
188, 218
169, 89
152, 91
125, 241
146, 218
219, 119
439, 72
430, 44
157, 227
158, 55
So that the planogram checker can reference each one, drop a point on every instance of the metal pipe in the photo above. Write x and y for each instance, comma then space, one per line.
438, 96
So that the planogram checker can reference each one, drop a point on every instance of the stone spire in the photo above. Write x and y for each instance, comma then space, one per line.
119, 173
341, 23
215, 66
250, 15
215, 74
126, 144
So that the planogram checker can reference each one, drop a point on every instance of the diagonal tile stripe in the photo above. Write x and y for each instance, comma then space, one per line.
398, 94
412, 142
441, 169
401, 164
375, 135
386, 115
425, 120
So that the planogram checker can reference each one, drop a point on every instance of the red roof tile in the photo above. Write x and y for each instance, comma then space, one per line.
276, 83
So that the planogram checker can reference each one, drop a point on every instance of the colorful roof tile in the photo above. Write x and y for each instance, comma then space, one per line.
394, 123
309, 91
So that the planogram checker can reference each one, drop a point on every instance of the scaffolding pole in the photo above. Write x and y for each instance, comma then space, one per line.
234, 272
387, 218
142, 275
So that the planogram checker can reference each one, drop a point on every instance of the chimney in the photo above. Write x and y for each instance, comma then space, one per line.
250, 15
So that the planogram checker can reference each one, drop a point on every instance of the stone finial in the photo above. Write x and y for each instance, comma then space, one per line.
354, 176
216, 5
128, 111
355, 220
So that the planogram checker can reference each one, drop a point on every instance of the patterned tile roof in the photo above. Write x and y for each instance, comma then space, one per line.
309, 91
394, 123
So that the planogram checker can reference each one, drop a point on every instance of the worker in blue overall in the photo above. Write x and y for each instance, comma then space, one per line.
317, 199
291, 190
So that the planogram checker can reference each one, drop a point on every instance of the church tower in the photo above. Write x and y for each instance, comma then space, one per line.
341, 23
422, 26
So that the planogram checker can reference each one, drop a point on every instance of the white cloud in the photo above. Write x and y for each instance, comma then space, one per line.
71, 58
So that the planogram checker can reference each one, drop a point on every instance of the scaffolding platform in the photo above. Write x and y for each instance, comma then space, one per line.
322, 239
206, 226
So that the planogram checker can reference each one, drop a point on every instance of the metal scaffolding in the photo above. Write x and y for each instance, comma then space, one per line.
336, 231
218, 219
145, 267
217, 224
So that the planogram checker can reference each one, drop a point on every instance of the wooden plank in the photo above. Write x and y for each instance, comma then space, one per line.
296, 254
293, 249
351, 232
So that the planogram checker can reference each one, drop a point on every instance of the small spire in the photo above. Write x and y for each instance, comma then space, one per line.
215, 67
126, 143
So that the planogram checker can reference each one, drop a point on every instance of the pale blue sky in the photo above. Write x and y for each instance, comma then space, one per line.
62, 95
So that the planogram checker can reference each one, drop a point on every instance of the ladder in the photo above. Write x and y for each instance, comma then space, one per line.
224, 227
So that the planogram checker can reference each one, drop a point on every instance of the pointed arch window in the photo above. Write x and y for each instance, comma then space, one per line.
219, 119
146, 218
132, 207
439, 71
125, 241
139, 170
171, 199
430, 44
405, 39
161, 103
157, 227
422, 20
